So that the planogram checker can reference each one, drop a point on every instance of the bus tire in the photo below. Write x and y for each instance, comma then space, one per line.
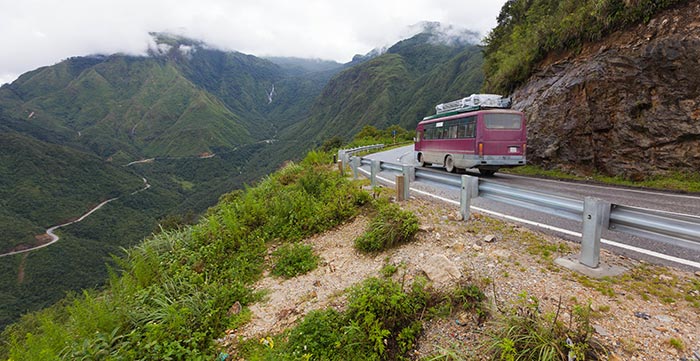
422, 162
450, 164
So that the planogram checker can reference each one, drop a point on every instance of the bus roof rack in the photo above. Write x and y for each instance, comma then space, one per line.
474, 102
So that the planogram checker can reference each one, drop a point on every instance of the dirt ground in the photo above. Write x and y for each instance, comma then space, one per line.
645, 314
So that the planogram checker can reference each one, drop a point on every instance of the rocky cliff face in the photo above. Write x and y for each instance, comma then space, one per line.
628, 105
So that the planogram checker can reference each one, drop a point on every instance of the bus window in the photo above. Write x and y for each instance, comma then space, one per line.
452, 132
470, 129
502, 121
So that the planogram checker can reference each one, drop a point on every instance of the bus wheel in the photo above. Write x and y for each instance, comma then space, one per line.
487, 172
422, 162
449, 164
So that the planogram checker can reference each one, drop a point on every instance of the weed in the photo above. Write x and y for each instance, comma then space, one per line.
392, 226
294, 260
523, 332
676, 343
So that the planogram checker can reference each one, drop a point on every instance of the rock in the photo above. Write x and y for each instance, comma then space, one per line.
440, 270
697, 273
600, 110
462, 319
456, 216
665, 278
601, 331
642, 315
664, 318
235, 309
490, 238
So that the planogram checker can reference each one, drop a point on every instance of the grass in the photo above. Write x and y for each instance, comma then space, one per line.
677, 181
647, 282
169, 297
524, 332
294, 260
390, 227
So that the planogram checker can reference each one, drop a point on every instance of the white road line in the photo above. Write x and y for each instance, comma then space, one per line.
553, 228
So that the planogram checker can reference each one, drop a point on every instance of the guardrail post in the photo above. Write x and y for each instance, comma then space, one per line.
409, 175
355, 162
469, 190
596, 217
374, 171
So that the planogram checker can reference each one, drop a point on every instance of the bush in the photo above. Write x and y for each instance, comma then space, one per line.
294, 260
524, 333
392, 226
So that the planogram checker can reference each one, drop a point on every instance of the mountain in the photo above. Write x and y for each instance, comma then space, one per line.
605, 91
194, 122
400, 86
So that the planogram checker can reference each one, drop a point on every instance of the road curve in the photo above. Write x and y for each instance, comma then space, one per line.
621, 243
55, 238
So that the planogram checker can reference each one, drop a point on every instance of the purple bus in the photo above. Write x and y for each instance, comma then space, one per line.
479, 131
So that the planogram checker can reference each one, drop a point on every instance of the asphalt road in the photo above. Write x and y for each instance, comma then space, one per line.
678, 254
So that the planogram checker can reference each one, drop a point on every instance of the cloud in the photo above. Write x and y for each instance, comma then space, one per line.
43, 32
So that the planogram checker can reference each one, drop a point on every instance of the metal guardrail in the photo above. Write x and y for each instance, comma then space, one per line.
595, 214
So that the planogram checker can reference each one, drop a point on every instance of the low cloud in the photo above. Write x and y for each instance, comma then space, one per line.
42, 32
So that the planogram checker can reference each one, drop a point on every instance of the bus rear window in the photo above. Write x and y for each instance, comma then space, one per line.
502, 121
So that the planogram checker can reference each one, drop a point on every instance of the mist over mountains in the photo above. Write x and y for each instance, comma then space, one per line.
209, 121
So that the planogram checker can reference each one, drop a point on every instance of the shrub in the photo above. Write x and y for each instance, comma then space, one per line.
294, 260
524, 333
392, 226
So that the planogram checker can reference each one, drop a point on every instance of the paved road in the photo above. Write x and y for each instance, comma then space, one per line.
616, 241
54, 237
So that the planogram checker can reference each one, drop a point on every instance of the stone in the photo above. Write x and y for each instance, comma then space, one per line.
664, 318
599, 110
601, 331
665, 278
235, 309
440, 270
490, 238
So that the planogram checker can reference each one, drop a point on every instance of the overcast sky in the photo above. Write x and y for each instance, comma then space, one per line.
35, 33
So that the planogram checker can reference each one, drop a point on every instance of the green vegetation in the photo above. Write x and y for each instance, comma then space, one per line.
294, 260
399, 87
676, 343
391, 227
528, 30
382, 321
679, 181
523, 332
169, 297
647, 282
71, 127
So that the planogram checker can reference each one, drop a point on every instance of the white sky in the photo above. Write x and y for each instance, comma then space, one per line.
35, 33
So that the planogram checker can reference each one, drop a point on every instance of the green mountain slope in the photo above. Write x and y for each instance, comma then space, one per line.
182, 104
400, 86
139, 106
44, 184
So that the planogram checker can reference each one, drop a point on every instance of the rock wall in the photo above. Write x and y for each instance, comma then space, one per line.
627, 105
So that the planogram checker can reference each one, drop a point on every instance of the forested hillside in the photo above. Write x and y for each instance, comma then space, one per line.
202, 121
605, 85
400, 87
528, 31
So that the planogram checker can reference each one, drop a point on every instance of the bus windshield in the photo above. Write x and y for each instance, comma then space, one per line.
502, 121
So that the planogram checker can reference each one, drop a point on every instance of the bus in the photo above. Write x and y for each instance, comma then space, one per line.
479, 131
